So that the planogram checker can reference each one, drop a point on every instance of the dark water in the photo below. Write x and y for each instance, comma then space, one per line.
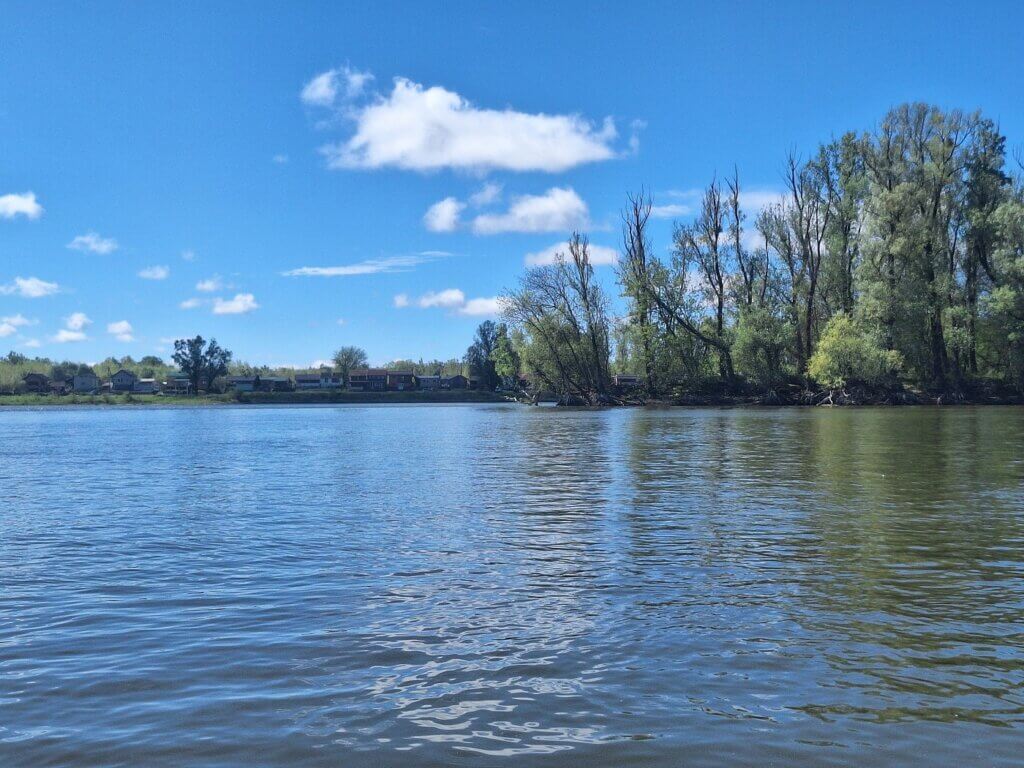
504, 586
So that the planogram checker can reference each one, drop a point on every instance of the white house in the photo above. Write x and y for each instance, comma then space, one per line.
325, 379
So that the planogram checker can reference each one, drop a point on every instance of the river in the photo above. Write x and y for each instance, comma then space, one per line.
498, 585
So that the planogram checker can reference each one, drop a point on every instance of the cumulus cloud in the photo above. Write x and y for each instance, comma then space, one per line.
425, 129
453, 299
121, 330
327, 87
93, 243
10, 325
210, 284
155, 273
29, 288
76, 321
20, 204
32, 344
559, 209
443, 216
73, 330
450, 297
482, 306
600, 255
369, 266
239, 305
190, 303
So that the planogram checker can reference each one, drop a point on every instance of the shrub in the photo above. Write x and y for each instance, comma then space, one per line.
846, 354
761, 348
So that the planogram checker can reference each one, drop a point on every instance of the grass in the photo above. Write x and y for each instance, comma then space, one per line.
255, 398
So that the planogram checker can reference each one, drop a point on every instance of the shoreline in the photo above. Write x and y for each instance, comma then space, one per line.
477, 397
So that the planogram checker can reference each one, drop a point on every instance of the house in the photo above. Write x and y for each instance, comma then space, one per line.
85, 383
626, 380
177, 384
325, 379
458, 381
274, 384
401, 380
36, 383
474, 382
243, 383
368, 379
123, 381
429, 382
146, 387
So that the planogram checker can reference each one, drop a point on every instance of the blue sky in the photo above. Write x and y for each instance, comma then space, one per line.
376, 173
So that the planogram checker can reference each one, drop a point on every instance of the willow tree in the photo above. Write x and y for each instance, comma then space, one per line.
563, 313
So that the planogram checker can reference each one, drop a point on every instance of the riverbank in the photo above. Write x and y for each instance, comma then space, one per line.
313, 397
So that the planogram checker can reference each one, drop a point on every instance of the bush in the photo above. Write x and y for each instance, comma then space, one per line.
846, 354
761, 347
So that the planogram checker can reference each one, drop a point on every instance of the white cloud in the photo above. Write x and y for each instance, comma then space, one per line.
324, 89
155, 273
487, 194
76, 321
670, 211
443, 216
368, 267
600, 255
482, 306
29, 288
280, 159
188, 255
63, 336
242, 303
94, 243
32, 344
190, 303
23, 204
454, 299
558, 209
10, 325
426, 129
450, 297
122, 330
210, 284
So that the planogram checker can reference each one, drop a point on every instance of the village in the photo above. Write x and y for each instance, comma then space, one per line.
179, 384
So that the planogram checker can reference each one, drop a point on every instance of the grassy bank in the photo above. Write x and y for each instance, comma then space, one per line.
254, 398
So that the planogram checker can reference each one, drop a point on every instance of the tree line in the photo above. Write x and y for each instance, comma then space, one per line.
893, 260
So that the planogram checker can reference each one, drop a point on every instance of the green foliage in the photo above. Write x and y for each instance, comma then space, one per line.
846, 354
761, 348
348, 359
201, 361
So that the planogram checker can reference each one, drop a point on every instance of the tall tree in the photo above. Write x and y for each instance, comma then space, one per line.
348, 358
200, 360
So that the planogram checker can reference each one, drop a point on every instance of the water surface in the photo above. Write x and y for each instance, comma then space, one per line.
506, 586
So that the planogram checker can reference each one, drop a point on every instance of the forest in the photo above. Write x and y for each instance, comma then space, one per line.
890, 270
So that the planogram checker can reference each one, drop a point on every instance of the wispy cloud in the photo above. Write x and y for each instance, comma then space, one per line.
425, 129
280, 159
600, 255
450, 297
93, 243
155, 273
325, 89
121, 330
369, 266
239, 305
20, 204
401, 300
210, 284
188, 255
29, 288
670, 211
191, 303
